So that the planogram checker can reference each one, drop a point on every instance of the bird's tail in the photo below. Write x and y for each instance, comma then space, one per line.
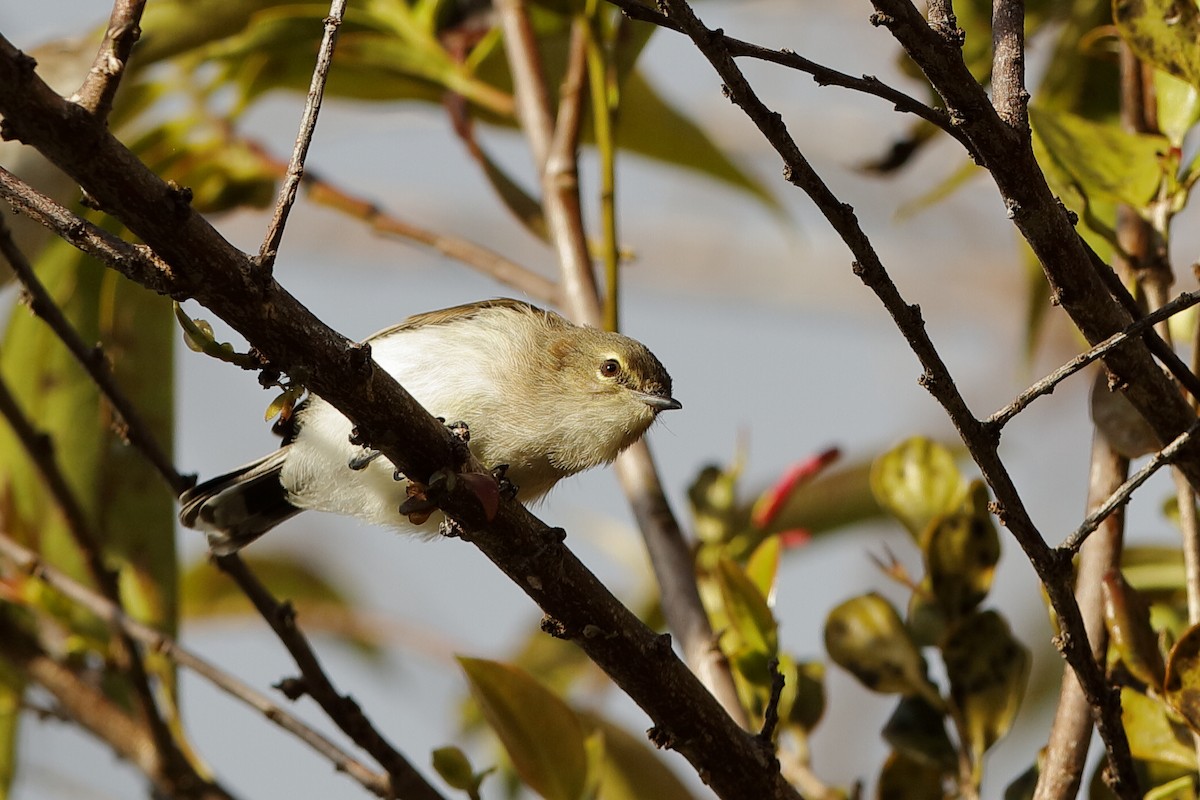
236, 508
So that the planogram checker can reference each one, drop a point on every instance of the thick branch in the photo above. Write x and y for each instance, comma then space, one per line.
207, 267
1008, 64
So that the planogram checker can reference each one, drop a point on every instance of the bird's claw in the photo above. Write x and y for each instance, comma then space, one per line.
360, 460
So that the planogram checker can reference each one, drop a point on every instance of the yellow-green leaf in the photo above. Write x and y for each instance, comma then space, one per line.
866, 637
987, 668
541, 734
903, 778
1182, 788
1153, 734
452, 764
1178, 106
1162, 32
917, 481
631, 769
1127, 617
961, 552
1182, 686
749, 615
918, 731
763, 566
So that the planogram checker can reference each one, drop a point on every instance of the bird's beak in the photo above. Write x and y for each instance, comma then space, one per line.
660, 403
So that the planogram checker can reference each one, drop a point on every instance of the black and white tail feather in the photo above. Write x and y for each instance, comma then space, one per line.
236, 508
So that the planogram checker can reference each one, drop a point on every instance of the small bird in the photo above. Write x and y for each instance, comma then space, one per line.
541, 396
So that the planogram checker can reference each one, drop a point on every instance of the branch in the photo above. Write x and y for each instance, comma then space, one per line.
1047, 384
133, 426
87, 705
308, 125
207, 267
979, 439
405, 781
100, 86
1008, 64
822, 75
28, 562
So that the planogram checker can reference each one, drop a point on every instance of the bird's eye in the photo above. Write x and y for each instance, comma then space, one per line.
610, 368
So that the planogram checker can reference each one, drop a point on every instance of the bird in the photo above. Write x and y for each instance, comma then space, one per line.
541, 397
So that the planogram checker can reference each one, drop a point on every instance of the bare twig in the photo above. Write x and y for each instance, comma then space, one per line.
100, 86
26, 561
82, 701
308, 124
403, 778
133, 426
822, 75
1008, 64
40, 450
1121, 496
1047, 384
1071, 732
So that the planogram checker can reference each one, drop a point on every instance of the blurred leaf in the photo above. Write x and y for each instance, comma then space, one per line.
1178, 106
763, 566
12, 693
1153, 734
713, 498
940, 191
905, 779
802, 702
542, 735
455, 769
768, 505
1162, 32
1024, 785
1127, 617
172, 27
751, 637
1101, 160
917, 481
1182, 685
917, 730
866, 637
961, 553
631, 769
987, 668
1182, 788
838, 497
1118, 421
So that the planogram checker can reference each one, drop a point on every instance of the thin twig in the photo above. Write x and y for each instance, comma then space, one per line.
382, 221
40, 450
404, 779
308, 125
1008, 64
134, 260
28, 562
1121, 496
1047, 384
133, 426
100, 86
822, 75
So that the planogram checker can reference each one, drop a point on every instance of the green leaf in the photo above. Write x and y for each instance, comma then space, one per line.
750, 617
542, 735
802, 702
1127, 617
961, 552
713, 499
917, 481
1178, 106
452, 764
631, 769
1162, 32
905, 779
763, 566
987, 668
1100, 160
917, 730
1182, 685
1153, 734
866, 637
1182, 788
